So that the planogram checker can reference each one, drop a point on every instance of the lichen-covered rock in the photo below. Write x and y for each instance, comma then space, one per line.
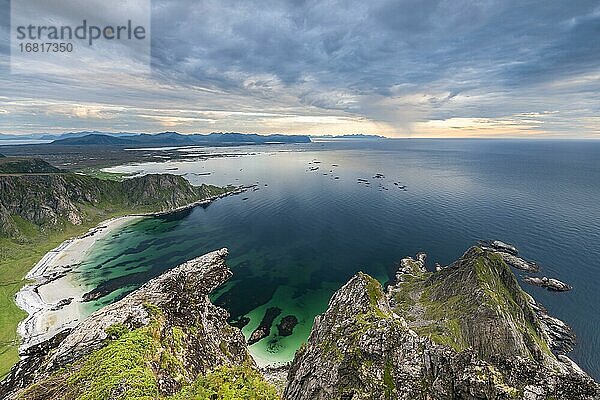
167, 330
467, 331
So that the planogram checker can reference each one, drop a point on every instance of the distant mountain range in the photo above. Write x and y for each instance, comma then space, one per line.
351, 136
177, 139
158, 139
55, 136
174, 138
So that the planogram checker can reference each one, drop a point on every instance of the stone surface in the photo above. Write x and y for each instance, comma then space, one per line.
467, 331
286, 325
264, 328
180, 296
551, 284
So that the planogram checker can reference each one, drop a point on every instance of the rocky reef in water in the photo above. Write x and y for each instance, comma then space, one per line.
466, 331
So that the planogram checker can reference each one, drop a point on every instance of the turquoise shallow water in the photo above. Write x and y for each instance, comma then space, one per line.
304, 233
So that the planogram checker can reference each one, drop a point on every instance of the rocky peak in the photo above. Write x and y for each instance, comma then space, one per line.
475, 303
467, 331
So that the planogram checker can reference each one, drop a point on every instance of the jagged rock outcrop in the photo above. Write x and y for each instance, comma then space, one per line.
167, 333
510, 255
549, 283
467, 331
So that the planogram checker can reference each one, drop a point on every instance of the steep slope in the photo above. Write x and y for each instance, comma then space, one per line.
475, 303
465, 332
39, 212
46, 202
152, 343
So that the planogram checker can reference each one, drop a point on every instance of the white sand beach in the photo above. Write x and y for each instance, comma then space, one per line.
53, 301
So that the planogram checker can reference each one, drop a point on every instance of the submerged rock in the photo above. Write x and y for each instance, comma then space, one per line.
287, 324
264, 328
549, 283
240, 322
467, 331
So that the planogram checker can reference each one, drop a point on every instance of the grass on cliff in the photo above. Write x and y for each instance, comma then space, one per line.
128, 368
441, 308
19, 254
229, 383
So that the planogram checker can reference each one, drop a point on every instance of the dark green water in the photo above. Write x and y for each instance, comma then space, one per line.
294, 242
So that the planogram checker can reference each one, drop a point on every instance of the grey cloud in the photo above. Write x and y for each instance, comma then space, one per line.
397, 61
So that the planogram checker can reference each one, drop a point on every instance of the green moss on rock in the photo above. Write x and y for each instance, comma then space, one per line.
229, 383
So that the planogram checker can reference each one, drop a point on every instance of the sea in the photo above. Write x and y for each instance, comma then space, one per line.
318, 213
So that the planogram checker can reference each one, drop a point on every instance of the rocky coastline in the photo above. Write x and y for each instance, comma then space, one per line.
53, 300
465, 331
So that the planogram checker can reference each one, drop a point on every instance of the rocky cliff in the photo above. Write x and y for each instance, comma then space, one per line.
467, 331
150, 344
49, 201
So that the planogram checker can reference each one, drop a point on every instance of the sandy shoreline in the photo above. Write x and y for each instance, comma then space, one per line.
53, 301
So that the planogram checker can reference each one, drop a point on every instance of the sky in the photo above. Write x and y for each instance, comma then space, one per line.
399, 68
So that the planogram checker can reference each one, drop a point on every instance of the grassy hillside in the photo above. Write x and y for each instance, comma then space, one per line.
38, 212
132, 362
20, 165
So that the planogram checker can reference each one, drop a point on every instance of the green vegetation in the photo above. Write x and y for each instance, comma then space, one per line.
116, 331
388, 381
123, 363
23, 242
510, 301
127, 368
441, 305
21, 165
490, 374
229, 383
375, 293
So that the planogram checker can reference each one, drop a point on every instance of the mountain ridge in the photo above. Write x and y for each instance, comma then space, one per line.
174, 138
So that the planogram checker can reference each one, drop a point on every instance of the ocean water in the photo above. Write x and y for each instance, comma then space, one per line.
304, 233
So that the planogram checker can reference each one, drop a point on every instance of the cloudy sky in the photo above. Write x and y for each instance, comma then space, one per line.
414, 68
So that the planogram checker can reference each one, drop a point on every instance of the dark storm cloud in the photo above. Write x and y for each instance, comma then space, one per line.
396, 62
